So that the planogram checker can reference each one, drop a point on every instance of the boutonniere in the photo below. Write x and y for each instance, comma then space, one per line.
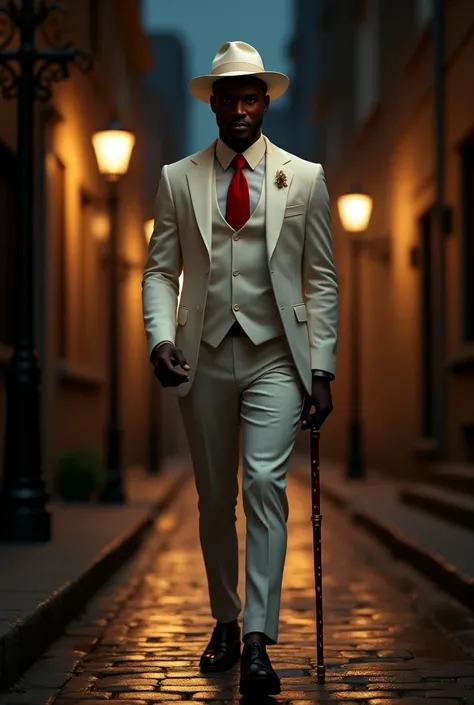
280, 179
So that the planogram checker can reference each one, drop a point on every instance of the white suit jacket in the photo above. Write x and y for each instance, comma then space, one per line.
299, 258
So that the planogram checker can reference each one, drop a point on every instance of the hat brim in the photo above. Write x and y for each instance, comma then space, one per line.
277, 83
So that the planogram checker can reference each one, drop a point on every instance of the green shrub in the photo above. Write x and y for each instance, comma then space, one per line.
80, 475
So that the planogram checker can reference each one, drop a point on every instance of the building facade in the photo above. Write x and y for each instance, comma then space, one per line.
377, 130
71, 230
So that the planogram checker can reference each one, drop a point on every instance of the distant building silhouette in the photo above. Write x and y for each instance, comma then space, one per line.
277, 126
165, 114
306, 52
293, 126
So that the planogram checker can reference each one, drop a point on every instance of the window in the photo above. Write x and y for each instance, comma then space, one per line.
423, 12
367, 57
8, 240
467, 235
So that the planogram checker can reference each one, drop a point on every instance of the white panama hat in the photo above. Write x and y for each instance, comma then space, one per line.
238, 59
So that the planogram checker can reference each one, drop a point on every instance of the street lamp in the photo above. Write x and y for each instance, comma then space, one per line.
355, 209
27, 73
113, 149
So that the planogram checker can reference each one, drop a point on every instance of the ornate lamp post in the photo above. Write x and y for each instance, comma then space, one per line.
355, 209
27, 73
113, 149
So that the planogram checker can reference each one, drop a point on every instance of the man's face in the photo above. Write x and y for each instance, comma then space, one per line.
239, 104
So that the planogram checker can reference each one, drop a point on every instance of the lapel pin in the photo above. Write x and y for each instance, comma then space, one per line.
280, 179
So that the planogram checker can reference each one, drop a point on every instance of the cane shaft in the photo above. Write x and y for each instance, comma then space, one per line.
318, 567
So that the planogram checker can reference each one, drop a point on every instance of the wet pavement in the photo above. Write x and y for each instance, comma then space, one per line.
141, 639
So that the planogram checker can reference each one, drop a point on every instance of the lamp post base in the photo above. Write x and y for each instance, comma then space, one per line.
24, 516
355, 463
22, 525
113, 491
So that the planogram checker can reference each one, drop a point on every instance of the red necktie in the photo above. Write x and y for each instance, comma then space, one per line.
238, 197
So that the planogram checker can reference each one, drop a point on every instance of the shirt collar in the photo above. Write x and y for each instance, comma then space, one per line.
254, 154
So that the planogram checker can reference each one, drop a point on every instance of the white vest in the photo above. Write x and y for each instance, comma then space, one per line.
240, 285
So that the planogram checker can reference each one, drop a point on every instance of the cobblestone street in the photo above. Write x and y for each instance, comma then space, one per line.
141, 639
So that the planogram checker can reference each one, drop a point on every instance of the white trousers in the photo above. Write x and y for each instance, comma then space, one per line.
242, 392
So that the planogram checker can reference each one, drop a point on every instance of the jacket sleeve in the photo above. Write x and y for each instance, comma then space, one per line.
160, 284
320, 278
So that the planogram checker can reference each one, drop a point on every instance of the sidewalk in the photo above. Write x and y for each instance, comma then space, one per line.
438, 544
43, 586
378, 649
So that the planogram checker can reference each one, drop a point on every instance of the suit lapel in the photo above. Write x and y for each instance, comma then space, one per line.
200, 181
276, 198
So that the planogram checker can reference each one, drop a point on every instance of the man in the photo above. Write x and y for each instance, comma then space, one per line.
251, 348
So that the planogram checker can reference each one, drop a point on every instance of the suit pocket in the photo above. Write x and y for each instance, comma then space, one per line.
182, 315
300, 312
295, 209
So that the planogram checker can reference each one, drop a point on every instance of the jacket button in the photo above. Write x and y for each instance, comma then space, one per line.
236, 237
236, 307
236, 272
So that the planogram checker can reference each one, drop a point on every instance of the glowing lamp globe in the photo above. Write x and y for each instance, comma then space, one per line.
113, 149
355, 209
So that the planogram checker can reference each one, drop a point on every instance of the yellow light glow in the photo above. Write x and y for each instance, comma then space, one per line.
100, 227
113, 150
355, 210
149, 225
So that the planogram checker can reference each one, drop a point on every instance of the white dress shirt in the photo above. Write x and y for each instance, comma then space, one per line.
254, 171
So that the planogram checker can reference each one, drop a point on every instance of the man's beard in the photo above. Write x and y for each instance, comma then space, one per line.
256, 127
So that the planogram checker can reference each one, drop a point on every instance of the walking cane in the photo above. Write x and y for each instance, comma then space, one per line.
316, 518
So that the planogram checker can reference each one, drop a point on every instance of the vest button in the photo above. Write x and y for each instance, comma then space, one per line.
236, 307
236, 272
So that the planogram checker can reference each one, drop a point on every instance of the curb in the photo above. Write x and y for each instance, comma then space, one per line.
453, 513
431, 565
30, 637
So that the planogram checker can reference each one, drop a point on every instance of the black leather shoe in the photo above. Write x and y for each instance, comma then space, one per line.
223, 649
257, 677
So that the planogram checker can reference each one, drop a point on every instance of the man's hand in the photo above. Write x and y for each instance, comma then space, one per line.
170, 366
321, 399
